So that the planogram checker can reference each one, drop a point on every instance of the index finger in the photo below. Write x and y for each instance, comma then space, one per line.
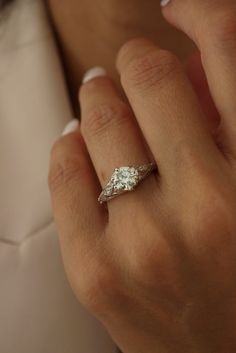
212, 25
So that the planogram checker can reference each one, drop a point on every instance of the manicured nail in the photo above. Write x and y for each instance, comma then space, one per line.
71, 127
164, 2
93, 73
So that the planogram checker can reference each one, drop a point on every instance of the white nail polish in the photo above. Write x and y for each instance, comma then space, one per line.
71, 127
93, 73
164, 2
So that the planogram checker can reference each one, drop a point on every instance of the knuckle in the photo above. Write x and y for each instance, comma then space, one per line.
217, 210
98, 289
157, 270
210, 209
221, 29
212, 220
151, 69
104, 117
63, 174
65, 170
188, 157
153, 262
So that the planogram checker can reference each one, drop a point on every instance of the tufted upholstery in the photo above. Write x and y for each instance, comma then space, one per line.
38, 312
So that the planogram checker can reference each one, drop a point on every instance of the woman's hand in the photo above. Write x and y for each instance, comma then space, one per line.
158, 265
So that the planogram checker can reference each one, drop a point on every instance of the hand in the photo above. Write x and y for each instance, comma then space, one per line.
157, 266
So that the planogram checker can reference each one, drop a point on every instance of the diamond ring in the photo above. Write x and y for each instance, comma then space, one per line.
125, 179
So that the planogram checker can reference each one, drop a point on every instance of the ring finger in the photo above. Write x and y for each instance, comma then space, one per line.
110, 130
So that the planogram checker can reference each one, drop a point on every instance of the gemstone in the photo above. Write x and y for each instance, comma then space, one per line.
125, 178
108, 191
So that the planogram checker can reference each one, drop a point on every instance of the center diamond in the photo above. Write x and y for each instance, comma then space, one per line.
125, 178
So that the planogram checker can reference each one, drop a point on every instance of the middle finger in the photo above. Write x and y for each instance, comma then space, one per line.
165, 105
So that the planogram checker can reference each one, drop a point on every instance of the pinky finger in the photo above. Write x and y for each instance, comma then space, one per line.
74, 190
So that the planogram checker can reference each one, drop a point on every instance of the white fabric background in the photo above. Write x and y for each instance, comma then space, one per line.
38, 312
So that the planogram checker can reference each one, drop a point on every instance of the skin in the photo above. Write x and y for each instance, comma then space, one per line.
157, 266
90, 33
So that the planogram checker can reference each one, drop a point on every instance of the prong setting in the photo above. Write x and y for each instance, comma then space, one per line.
125, 179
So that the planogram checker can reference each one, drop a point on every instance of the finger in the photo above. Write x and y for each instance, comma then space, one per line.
198, 79
74, 189
165, 105
212, 25
112, 135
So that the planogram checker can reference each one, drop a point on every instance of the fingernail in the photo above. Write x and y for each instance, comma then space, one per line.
93, 73
71, 127
164, 2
